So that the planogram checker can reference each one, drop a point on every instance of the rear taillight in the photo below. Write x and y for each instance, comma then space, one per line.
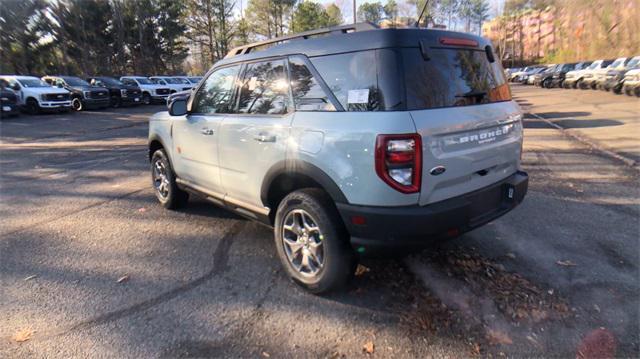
399, 161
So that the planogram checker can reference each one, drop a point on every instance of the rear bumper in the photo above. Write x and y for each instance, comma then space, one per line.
412, 227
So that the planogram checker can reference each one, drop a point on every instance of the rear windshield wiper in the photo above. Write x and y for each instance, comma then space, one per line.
473, 94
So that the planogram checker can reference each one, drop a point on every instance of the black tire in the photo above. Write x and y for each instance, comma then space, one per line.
173, 197
32, 107
338, 258
146, 99
577, 84
116, 102
76, 104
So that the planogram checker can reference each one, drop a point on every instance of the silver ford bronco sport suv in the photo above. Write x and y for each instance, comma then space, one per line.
348, 141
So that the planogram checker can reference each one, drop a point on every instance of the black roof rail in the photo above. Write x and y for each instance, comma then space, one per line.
343, 29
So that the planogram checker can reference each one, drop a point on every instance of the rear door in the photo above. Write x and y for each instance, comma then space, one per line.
195, 136
460, 104
255, 138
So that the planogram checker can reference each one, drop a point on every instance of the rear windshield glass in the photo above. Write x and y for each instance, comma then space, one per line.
452, 77
401, 79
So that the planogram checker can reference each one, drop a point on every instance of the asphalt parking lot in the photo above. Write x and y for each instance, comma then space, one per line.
92, 266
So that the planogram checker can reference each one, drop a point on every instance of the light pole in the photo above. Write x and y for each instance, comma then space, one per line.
354, 11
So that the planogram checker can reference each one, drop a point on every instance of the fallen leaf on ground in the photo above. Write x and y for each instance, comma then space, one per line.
511, 255
124, 278
23, 335
142, 209
566, 263
265, 354
498, 337
360, 270
30, 277
368, 347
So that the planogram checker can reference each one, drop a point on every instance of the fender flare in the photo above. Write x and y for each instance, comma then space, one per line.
300, 167
157, 138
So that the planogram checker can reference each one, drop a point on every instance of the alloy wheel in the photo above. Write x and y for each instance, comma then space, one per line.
76, 104
302, 242
160, 179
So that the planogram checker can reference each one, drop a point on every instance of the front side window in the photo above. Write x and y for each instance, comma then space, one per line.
264, 89
308, 95
143, 81
216, 93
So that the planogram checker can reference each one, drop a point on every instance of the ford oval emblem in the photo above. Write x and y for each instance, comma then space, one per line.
438, 170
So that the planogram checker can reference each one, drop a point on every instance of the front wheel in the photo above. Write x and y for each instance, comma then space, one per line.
32, 107
76, 104
164, 182
146, 98
312, 243
116, 102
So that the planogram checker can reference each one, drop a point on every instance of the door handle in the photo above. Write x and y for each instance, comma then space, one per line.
265, 137
207, 132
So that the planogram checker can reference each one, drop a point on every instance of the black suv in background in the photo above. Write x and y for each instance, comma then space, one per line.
8, 101
83, 95
120, 94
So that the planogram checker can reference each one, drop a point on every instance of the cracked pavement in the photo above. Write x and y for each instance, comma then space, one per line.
77, 214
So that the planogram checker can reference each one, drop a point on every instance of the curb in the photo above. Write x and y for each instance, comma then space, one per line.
627, 161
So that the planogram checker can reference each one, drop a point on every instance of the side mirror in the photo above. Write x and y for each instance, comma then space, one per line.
59, 86
16, 87
178, 107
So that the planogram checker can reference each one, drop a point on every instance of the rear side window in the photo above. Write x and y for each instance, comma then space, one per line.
217, 91
452, 77
363, 80
264, 89
308, 95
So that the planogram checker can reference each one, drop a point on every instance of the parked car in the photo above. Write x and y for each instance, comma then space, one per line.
83, 95
599, 76
614, 78
574, 79
344, 153
194, 79
521, 76
544, 76
174, 84
558, 75
35, 95
8, 101
560, 79
631, 83
530, 79
119, 93
151, 92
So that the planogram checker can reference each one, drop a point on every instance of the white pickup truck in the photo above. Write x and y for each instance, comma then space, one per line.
35, 95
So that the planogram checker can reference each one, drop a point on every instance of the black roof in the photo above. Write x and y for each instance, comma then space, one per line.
341, 40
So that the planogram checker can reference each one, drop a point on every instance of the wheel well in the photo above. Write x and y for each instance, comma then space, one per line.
30, 98
153, 147
284, 184
146, 93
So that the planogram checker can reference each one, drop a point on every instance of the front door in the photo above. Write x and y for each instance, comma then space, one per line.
255, 138
195, 136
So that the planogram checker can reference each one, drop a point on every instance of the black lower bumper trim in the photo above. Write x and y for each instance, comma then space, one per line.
417, 226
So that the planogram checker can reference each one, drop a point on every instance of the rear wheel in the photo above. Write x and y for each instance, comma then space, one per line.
32, 107
164, 182
312, 242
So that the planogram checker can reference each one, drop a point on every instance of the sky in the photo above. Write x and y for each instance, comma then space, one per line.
346, 6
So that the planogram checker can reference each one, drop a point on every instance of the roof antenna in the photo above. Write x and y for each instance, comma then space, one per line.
424, 8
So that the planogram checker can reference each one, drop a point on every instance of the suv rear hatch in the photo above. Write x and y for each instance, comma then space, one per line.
461, 106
